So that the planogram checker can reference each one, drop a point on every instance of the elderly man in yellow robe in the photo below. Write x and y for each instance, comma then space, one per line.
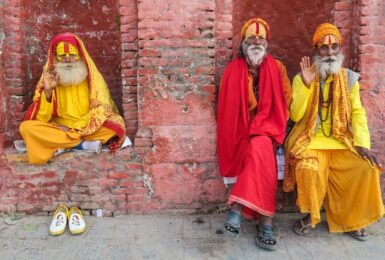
72, 107
328, 151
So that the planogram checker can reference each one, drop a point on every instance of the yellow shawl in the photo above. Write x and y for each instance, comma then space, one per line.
300, 136
102, 110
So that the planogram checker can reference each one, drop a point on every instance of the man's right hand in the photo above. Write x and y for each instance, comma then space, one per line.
307, 72
50, 81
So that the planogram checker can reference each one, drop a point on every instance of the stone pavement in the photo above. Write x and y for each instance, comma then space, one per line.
177, 236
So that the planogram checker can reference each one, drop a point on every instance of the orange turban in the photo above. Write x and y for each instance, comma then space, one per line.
324, 30
256, 30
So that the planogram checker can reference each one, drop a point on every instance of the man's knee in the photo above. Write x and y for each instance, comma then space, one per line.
25, 127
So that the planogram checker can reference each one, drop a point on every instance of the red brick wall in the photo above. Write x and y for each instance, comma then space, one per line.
292, 25
29, 27
128, 10
14, 71
2, 87
168, 56
371, 49
176, 100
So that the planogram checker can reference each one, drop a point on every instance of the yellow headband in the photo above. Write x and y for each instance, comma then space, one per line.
67, 49
328, 40
324, 30
255, 27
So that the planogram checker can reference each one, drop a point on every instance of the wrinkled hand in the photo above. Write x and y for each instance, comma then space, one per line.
50, 79
367, 154
307, 72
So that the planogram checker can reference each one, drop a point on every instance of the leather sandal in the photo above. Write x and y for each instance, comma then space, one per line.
302, 229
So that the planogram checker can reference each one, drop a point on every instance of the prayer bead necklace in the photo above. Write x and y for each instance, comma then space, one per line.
326, 104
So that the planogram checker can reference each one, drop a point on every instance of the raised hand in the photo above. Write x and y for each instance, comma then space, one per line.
50, 79
307, 72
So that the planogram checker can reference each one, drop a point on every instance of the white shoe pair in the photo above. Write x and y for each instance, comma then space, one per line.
77, 224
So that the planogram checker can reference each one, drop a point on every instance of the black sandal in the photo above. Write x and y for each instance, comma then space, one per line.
265, 238
232, 227
360, 235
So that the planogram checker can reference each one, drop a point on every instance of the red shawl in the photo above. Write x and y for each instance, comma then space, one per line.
234, 128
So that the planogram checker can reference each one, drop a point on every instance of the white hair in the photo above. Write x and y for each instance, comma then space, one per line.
329, 64
71, 73
254, 54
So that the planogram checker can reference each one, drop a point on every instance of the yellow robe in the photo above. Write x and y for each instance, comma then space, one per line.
301, 95
87, 109
333, 175
73, 106
43, 136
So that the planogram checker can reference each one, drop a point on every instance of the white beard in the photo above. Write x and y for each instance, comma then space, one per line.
328, 65
254, 53
71, 73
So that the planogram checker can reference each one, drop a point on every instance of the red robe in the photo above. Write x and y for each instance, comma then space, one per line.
246, 148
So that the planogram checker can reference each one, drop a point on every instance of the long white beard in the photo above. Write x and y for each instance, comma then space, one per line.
329, 64
71, 73
254, 53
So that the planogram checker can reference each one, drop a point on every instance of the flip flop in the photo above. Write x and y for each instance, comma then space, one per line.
59, 221
302, 229
265, 238
77, 224
363, 237
232, 227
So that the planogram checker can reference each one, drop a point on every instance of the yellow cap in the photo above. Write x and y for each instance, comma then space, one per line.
324, 30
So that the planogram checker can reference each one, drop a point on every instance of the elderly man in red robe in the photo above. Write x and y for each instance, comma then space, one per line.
253, 102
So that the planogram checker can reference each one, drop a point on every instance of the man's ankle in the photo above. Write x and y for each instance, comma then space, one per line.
92, 146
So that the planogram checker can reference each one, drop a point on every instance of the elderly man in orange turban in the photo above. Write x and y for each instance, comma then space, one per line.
328, 151
252, 113
72, 107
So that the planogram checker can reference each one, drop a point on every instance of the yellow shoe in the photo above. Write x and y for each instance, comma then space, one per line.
77, 224
59, 221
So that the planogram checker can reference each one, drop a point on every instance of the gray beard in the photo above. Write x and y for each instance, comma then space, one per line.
328, 65
71, 73
255, 54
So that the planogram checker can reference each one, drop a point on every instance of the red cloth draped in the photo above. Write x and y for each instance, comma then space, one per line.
256, 185
233, 127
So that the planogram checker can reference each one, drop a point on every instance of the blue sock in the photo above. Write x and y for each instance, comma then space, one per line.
79, 146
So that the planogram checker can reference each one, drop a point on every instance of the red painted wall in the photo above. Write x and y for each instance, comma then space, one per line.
371, 55
95, 22
170, 60
292, 25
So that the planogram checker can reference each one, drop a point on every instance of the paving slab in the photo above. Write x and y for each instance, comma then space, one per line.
178, 236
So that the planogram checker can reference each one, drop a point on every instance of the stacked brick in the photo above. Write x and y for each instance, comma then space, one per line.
176, 100
371, 56
14, 71
171, 57
223, 36
128, 11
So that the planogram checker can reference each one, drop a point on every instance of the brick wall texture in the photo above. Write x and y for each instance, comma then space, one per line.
162, 61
